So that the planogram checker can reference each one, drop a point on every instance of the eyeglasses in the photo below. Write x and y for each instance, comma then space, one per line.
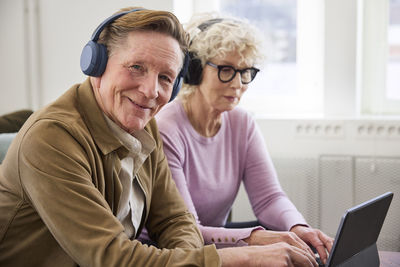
226, 73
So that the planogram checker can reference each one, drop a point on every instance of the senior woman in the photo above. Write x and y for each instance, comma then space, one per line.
212, 145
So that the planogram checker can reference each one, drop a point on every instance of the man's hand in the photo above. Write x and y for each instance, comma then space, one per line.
266, 237
315, 238
275, 255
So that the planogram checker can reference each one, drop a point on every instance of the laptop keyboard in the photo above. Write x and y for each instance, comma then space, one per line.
320, 264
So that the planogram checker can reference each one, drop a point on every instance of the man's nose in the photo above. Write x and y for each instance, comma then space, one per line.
150, 86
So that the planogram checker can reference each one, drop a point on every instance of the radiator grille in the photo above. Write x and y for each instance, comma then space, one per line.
336, 190
323, 188
301, 185
374, 176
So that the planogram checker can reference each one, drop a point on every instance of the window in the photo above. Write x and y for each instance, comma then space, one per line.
291, 81
283, 85
332, 58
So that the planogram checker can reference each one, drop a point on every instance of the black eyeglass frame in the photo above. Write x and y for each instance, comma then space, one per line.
241, 71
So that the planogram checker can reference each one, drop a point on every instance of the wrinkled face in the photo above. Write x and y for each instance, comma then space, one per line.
218, 95
138, 79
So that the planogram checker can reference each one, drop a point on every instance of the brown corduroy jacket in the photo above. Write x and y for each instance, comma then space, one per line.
60, 190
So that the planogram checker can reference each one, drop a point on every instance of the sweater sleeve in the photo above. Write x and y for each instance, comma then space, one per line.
271, 205
174, 149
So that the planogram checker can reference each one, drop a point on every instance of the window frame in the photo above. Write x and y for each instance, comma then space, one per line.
374, 54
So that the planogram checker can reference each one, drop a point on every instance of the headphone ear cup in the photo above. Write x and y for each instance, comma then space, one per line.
93, 59
179, 79
195, 70
177, 86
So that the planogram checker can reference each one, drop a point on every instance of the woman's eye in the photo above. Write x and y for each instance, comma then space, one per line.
226, 70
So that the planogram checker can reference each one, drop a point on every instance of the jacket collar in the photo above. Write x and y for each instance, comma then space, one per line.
94, 119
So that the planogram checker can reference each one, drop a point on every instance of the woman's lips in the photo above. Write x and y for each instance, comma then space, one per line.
231, 98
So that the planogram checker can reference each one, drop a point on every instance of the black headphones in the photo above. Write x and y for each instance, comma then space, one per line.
94, 55
195, 69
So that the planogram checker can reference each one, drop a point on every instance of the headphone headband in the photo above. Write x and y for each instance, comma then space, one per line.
195, 69
206, 24
100, 28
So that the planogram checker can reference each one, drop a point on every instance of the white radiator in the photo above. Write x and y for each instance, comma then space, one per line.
375, 176
327, 166
323, 188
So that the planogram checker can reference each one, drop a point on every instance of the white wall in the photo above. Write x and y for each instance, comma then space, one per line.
14, 94
41, 45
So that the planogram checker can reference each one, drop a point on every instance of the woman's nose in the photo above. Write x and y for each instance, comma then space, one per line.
237, 81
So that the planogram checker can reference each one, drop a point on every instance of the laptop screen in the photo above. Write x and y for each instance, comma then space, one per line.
359, 228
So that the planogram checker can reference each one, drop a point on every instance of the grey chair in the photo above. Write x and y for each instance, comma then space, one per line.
5, 141
10, 124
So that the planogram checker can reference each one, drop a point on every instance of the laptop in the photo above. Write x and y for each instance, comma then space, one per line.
355, 241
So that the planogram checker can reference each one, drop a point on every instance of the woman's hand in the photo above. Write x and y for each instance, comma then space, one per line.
266, 237
315, 238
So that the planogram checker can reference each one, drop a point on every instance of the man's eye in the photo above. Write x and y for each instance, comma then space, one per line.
136, 67
165, 78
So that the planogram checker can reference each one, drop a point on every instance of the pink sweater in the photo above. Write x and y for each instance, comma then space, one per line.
208, 172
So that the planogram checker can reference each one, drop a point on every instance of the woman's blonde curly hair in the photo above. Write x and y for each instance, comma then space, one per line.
225, 34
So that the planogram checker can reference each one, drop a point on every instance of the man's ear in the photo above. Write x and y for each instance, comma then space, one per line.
96, 81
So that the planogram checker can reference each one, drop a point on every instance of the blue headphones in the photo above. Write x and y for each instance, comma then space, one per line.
94, 55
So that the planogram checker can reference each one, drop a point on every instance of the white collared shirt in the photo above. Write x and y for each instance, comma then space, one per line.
132, 200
